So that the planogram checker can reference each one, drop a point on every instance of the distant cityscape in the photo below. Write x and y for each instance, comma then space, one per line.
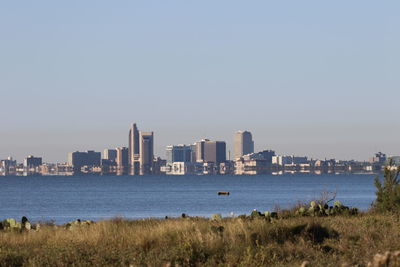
203, 157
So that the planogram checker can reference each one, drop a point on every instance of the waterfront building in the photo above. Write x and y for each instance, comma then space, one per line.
122, 159
267, 155
199, 150
158, 165
227, 167
396, 160
210, 168
379, 158
32, 162
134, 148
179, 153
263, 155
140, 151
215, 151
252, 166
289, 160
8, 166
79, 159
146, 152
183, 168
243, 143
110, 154
193, 152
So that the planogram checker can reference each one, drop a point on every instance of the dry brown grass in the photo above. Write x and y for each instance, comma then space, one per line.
323, 241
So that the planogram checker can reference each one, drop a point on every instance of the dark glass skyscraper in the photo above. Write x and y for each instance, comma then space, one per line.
215, 151
133, 149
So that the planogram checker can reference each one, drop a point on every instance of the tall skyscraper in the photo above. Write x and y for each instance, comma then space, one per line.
146, 152
243, 143
133, 150
133, 145
141, 151
199, 150
215, 151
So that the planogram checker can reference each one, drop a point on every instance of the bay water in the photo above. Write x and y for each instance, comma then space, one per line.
89, 197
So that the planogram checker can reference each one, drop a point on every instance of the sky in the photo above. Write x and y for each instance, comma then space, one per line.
314, 78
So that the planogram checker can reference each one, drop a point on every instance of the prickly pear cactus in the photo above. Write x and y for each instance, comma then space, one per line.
28, 226
255, 214
337, 204
301, 211
216, 217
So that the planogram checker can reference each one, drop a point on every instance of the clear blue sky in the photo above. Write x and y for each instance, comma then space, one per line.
316, 78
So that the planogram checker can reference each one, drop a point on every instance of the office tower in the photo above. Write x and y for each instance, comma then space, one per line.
146, 152
179, 153
79, 159
32, 161
214, 151
134, 147
122, 157
199, 147
243, 143
110, 154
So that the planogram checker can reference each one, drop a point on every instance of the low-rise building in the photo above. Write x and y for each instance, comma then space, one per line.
252, 166
89, 158
8, 166
183, 168
32, 162
179, 153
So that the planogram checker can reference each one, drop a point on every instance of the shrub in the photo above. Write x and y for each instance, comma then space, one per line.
388, 191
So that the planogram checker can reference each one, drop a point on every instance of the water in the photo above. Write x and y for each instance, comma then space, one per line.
64, 199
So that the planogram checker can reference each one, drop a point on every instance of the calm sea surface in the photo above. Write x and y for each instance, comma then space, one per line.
64, 199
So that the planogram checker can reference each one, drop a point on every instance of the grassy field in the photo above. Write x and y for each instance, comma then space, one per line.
323, 241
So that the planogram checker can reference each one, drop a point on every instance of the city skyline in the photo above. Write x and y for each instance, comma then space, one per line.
74, 74
203, 157
148, 149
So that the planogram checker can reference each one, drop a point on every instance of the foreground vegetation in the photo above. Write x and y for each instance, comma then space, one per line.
251, 241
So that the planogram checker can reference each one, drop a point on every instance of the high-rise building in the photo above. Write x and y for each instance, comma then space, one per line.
134, 149
243, 143
122, 157
146, 152
179, 153
214, 151
110, 154
199, 150
193, 153
140, 151
134, 146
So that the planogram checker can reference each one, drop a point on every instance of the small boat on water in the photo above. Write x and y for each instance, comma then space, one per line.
223, 193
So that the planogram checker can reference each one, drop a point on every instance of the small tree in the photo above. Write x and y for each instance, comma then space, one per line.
388, 192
